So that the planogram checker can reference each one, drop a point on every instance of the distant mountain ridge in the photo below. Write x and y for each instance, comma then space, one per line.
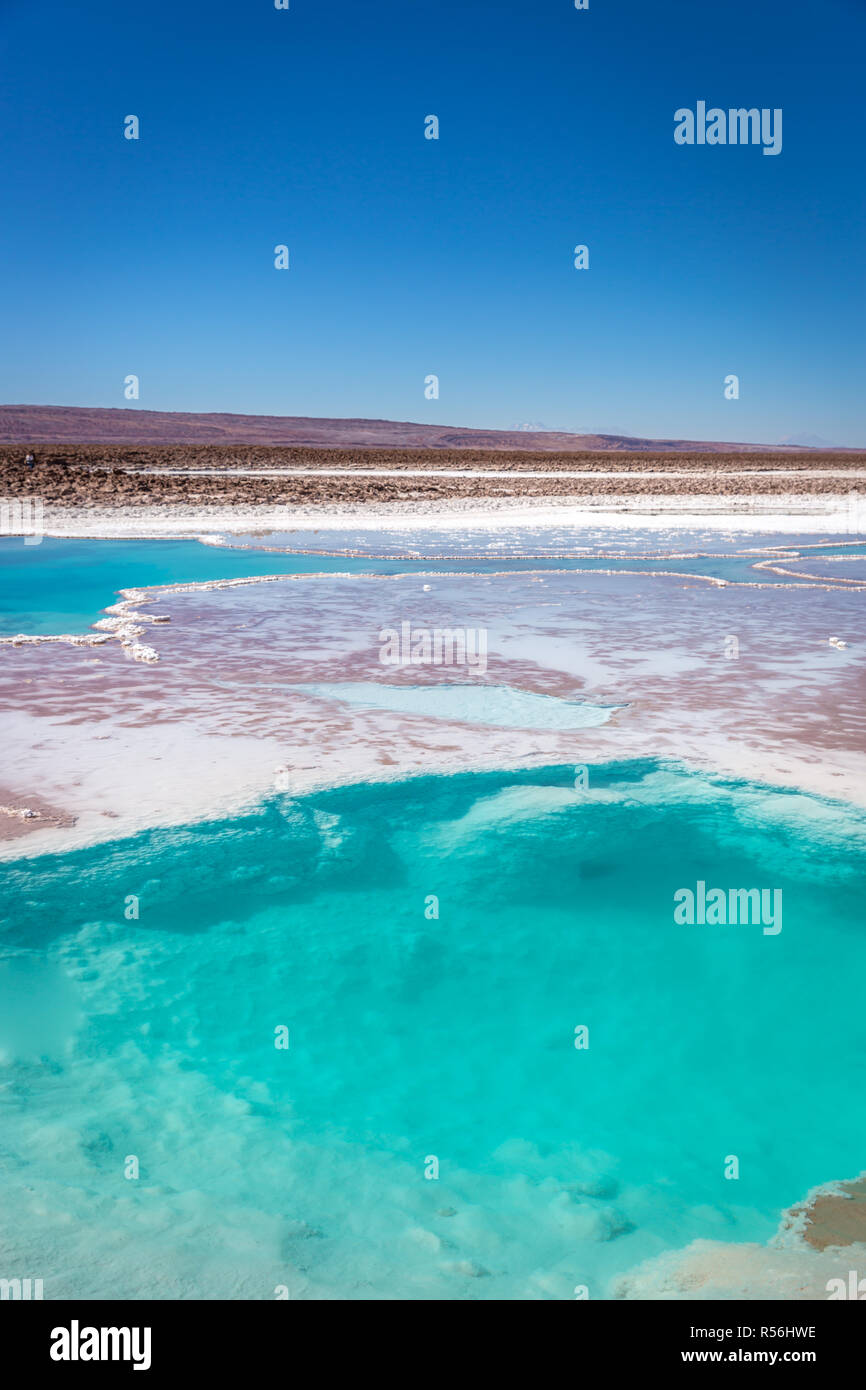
67, 424
806, 441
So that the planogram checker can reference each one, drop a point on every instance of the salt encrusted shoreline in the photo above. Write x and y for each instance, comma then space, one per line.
842, 513
126, 624
246, 765
125, 627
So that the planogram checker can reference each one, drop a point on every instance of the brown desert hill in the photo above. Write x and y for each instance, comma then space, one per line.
48, 424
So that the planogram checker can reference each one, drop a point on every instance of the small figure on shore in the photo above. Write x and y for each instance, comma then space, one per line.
29, 461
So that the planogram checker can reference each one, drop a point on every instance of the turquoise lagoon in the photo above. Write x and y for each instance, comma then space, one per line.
62, 585
415, 1036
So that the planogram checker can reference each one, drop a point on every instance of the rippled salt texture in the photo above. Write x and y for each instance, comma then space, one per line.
413, 1035
201, 732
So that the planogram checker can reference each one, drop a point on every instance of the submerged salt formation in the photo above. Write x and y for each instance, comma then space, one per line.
124, 625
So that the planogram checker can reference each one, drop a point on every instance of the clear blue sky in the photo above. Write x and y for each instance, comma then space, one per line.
411, 256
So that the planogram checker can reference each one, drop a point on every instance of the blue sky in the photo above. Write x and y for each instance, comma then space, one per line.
454, 257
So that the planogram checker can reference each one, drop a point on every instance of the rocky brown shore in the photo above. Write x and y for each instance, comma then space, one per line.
111, 476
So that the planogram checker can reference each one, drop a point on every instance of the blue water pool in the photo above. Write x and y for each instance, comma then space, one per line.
427, 949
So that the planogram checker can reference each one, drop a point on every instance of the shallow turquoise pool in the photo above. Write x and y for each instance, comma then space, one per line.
430, 946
